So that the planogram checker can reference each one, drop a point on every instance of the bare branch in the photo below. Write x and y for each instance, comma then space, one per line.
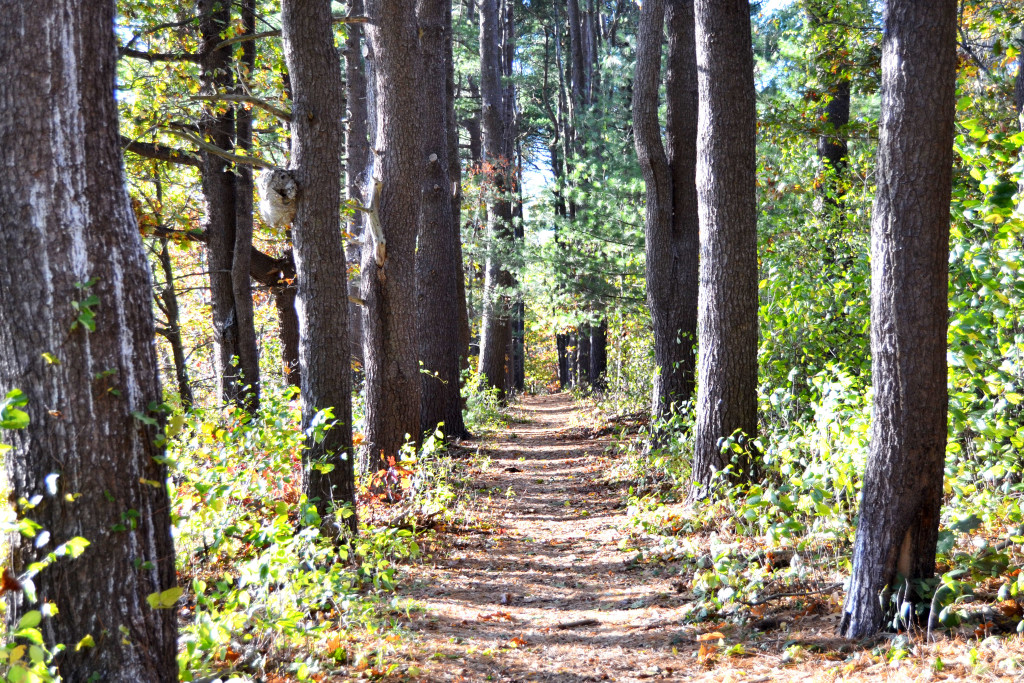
273, 34
158, 56
245, 99
153, 150
217, 151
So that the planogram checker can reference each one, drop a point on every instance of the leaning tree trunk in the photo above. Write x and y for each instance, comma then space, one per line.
727, 301
388, 268
76, 336
438, 253
317, 109
496, 328
899, 512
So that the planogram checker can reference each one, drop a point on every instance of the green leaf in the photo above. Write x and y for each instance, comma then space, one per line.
165, 599
30, 619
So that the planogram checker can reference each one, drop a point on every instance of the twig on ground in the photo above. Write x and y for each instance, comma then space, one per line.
578, 623
779, 596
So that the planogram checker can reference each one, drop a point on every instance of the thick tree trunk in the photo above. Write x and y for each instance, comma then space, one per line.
232, 358
88, 457
438, 253
671, 234
902, 495
241, 285
496, 331
317, 144
358, 163
455, 176
389, 326
562, 347
727, 306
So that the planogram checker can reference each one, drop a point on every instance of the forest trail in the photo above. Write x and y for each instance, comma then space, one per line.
543, 592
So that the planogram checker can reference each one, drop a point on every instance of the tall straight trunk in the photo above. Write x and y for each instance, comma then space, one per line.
496, 331
241, 285
359, 161
583, 377
671, 225
88, 457
902, 495
727, 305
317, 143
455, 176
578, 87
437, 254
232, 359
389, 332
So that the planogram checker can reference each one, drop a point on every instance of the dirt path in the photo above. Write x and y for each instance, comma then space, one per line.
545, 594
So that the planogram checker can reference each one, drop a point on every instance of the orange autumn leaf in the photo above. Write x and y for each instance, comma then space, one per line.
710, 636
517, 642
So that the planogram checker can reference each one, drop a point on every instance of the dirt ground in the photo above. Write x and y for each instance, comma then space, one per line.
543, 592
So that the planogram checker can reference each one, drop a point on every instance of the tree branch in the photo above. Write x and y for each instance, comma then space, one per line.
153, 150
217, 151
273, 34
246, 99
157, 56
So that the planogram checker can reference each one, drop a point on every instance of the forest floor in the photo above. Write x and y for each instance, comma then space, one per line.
539, 589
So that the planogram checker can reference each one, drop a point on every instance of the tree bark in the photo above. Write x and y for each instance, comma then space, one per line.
727, 301
68, 234
241, 286
670, 228
438, 255
495, 363
317, 144
902, 494
389, 334
359, 161
219, 192
599, 355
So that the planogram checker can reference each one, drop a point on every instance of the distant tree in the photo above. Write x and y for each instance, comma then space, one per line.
671, 222
317, 143
496, 328
77, 337
388, 266
727, 307
902, 494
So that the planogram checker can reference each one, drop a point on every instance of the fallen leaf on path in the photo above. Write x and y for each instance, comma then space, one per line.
496, 616
517, 642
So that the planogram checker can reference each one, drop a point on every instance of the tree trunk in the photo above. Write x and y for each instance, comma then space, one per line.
234, 348
88, 457
392, 372
727, 306
317, 110
455, 176
359, 162
495, 336
438, 254
599, 355
902, 495
562, 346
671, 234
167, 301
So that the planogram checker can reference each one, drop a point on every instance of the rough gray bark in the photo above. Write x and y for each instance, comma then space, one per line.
317, 106
455, 176
438, 254
219, 193
67, 233
727, 300
671, 234
902, 494
389, 325
241, 285
496, 331
358, 161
